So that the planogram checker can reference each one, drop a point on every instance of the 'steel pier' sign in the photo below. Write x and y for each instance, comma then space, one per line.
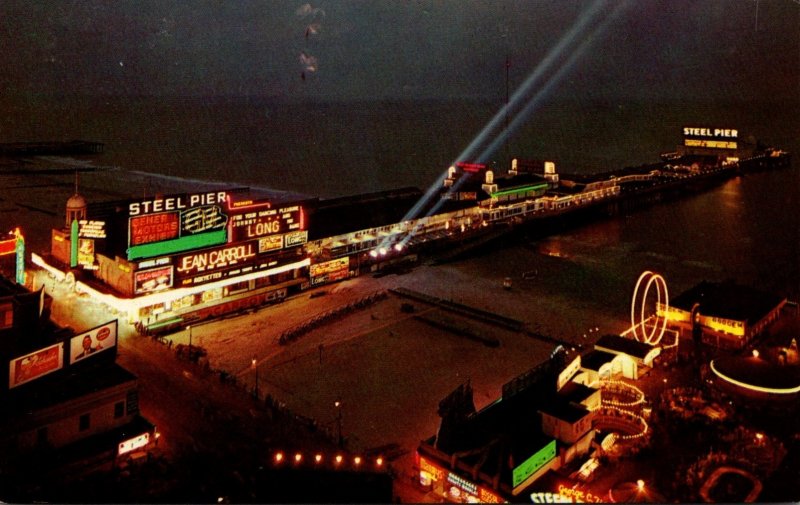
172, 203
710, 132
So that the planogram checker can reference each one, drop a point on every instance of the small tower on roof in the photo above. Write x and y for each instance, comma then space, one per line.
76, 206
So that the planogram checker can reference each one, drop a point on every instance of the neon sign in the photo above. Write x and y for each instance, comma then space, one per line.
716, 144
271, 243
462, 483
295, 238
214, 259
533, 463
328, 267
578, 495
202, 219
470, 167
153, 228
176, 203
710, 132
181, 244
265, 222
91, 229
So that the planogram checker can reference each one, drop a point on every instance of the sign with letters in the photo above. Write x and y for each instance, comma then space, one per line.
36, 364
264, 222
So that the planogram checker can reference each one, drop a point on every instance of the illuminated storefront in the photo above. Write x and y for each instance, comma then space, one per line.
452, 486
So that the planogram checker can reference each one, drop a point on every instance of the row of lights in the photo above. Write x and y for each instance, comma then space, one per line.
623, 385
383, 251
338, 460
639, 418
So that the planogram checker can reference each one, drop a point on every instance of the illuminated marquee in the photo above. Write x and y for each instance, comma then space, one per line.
715, 144
202, 219
271, 243
172, 232
265, 222
173, 203
133, 444
430, 471
710, 132
329, 267
330, 271
253, 265
470, 167
295, 238
91, 229
208, 260
153, 228
715, 138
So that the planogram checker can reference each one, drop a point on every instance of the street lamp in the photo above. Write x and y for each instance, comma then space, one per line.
338, 405
254, 364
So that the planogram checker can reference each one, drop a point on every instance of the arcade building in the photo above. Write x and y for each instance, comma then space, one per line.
165, 261
723, 315
542, 423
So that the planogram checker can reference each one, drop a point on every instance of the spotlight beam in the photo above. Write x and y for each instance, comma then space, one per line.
570, 37
568, 40
521, 117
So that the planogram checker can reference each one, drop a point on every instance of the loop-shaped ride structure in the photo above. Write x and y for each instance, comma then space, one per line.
654, 336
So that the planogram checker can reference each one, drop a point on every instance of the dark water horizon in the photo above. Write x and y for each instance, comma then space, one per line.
747, 229
348, 147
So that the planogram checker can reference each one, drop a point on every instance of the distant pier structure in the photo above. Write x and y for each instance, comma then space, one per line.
16, 149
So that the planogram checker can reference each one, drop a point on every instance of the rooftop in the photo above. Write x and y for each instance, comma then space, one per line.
57, 388
626, 345
594, 359
728, 301
565, 411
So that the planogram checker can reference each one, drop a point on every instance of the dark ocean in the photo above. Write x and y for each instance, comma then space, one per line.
747, 229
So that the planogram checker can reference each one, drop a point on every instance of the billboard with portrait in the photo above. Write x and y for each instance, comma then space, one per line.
93, 342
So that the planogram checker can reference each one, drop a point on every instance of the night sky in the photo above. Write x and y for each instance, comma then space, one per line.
395, 49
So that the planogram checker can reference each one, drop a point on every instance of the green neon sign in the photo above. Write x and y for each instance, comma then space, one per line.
20, 270
534, 463
73, 244
177, 245
524, 189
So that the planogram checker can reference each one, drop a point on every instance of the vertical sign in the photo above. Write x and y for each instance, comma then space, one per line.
73, 244
20, 247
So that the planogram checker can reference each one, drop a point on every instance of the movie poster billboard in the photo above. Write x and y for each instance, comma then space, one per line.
92, 342
86, 252
153, 279
36, 364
